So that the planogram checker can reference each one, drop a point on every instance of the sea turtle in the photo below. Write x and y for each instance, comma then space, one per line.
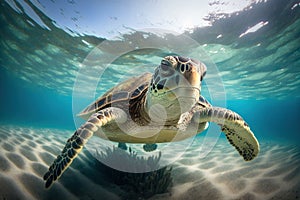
154, 108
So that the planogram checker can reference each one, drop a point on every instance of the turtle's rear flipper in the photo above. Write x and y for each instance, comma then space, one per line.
236, 129
77, 141
149, 147
122, 145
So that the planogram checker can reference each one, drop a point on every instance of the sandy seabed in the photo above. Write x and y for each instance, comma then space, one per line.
26, 154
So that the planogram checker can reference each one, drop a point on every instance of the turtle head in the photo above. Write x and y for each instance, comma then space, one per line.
175, 85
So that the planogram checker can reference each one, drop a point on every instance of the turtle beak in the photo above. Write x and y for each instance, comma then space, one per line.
193, 77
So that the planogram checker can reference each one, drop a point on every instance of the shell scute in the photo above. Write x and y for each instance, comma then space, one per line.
124, 91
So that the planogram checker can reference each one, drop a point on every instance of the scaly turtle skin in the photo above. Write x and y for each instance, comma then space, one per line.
154, 108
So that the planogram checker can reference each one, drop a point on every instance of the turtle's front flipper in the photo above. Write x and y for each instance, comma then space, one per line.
76, 142
236, 129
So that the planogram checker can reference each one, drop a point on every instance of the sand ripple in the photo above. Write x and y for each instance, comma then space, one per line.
16, 159
4, 164
24, 158
275, 172
26, 154
7, 147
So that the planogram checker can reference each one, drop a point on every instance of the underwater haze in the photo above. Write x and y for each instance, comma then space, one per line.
57, 57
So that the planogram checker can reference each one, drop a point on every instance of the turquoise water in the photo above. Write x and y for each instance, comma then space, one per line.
259, 71
53, 64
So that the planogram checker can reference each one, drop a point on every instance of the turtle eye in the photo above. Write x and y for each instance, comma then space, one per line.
165, 64
164, 67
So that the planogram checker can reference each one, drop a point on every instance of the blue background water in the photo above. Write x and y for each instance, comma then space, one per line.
30, 105
260, 70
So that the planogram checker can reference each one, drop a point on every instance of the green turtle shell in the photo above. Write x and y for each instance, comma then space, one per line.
123, 92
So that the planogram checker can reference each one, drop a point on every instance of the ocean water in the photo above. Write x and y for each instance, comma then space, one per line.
49, 72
